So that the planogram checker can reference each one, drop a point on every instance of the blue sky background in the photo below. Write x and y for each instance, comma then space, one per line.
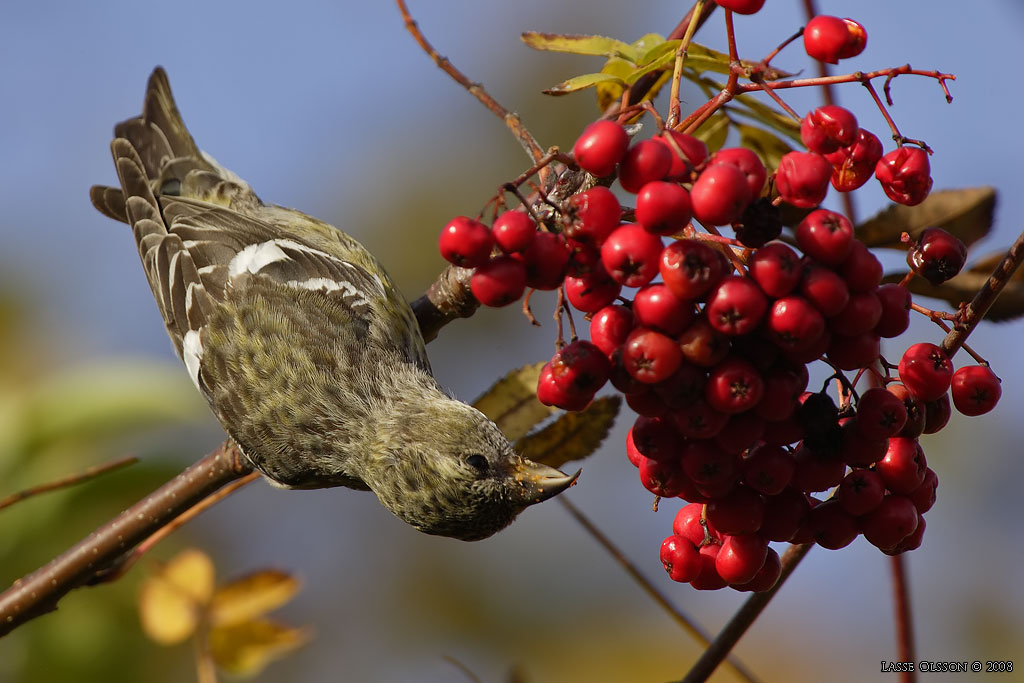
330, 106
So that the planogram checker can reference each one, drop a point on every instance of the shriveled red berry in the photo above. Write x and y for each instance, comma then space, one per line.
926, 371
736, 306
650, 356
690, 268
895, 317
733, 386
645, 161
747, 161
937, 255
905, 175
595, 214
466, 242
741, 557
663, 208
600, 147
975, 389
656, 306
610, 326
499, 282
514, 231
853, 165
828, 128
680, 559
857, 41
776, 269
720, 194
760, 223
593, 291
630, 255
826, 236
802, 179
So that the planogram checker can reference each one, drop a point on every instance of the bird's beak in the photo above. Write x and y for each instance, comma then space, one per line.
541, 482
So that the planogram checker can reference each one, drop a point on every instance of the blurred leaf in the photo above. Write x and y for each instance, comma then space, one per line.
770, 116
582, 82
252, 596
657, 51
105, 399
573, 436
609, 92
966, 213
172, 599
579, 45
245, 649
963, 287
512, 402
765, 144
660, 63
714, 131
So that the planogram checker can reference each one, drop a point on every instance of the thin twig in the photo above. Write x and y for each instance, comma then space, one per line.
904, 616
677, 72
680, 618
64, 482
741, 621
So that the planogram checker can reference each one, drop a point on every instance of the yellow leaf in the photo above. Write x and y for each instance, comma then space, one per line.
512, 402
572, 436
171, 600
245, 649
583, 82
609, 92
580, 45
252, 596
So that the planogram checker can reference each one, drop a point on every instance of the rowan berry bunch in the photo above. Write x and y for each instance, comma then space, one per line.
709, 337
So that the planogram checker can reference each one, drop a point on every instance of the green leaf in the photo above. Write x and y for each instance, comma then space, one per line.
765, 144
661, 63
583, 82
966, 213
714, 131
962, 288
512, 402
658, 52
579, 45
573, 436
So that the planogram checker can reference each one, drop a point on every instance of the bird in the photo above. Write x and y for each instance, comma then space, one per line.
301, 343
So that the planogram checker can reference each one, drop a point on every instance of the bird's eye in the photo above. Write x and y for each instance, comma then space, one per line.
478, 462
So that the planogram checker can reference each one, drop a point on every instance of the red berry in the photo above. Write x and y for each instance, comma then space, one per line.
861, 491
741, 7
880, 414
853, 165
894, 519
851, 353
748, 162
699, 421
825, 289
645, 161
680, 559
828, 39
739, 512
782, 387
733, 386
499, 282
687, 523
610, 326
663, 208
690, 268
580, 367
656, 438
795, 324
862, 271
975, 389
914, 426
592, 292
905, 175
937, 255
551, 393
656, 306
802, 179
682, 388
895, 317
861, 313
858, 450
923, 497
514, 231
766, 577
741, 557
630, 255
661, 477
926, 371
736, 306
650, 356
826, 236
702, 344
776, 269
720, 194
816, 472
687, 151
600, 147
545, 260
466, 242
828, 128
707, 464
708, 579
595, 213
832, 526
784, 514
741, 432
903, 467
768, 469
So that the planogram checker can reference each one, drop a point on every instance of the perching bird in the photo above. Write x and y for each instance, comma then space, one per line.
303, 346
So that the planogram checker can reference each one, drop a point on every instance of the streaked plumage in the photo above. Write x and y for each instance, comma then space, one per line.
304, 347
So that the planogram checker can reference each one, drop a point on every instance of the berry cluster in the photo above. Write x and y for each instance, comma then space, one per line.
709, 338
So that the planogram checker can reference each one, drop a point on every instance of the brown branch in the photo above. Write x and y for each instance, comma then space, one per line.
477, 90
40, 591
680, 618
64, 482
447, 299
741, 621
904, 616
986, 296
